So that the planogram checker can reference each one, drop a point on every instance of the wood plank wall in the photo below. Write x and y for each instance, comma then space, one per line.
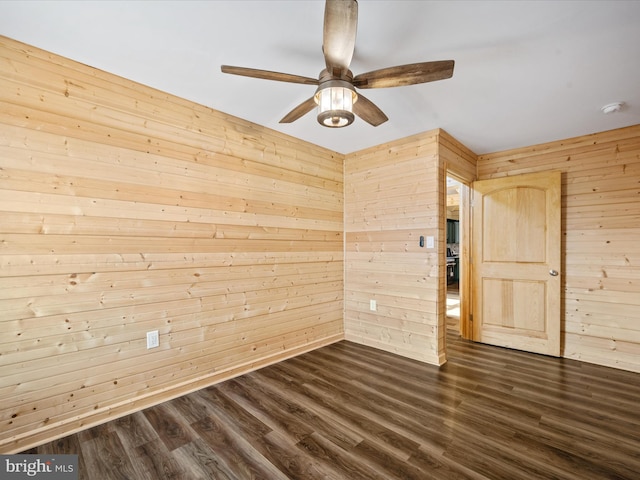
601, 239
125, 210
394, 193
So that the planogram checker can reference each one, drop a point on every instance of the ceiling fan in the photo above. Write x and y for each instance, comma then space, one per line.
336, 96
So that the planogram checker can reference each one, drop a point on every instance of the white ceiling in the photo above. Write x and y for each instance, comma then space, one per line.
526, 71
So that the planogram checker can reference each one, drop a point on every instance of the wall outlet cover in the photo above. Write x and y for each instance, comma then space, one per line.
153, 339
373, 305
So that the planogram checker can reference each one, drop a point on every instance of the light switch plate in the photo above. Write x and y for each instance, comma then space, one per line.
153, 339
373, 305
430, 242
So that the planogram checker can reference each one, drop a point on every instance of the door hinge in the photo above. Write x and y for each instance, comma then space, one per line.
471, 317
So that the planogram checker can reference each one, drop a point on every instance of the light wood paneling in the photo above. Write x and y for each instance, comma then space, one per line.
124, 210
395, 193
389, 192
601, 232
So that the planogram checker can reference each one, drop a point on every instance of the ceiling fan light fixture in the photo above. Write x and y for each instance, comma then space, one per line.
335, 100
335, 96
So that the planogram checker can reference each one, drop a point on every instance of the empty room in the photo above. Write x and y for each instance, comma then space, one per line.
320, 240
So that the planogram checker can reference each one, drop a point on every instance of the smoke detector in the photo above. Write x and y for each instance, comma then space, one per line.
612, 107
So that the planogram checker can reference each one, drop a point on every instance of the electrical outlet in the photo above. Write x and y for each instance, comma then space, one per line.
153, 339
373, 305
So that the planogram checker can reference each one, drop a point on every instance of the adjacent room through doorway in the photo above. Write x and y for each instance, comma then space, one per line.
453, 256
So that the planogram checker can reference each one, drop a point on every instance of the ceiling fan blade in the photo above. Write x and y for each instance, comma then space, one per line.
301, 110
268, 75
339, 34
402, 75
367, 111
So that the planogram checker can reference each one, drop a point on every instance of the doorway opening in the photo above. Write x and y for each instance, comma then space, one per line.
454, 251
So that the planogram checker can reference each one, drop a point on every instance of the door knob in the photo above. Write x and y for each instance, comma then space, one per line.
553, 273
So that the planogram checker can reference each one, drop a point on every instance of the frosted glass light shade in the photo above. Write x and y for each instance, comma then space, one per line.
335, 106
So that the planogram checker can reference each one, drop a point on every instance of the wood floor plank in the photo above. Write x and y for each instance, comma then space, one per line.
390, 465
365, 422
351, 465
192, 408
152, 460
172, 429
201, 462
269, 412
296, 463
105, 457
332, 431
223, 407
621, 456
440, 467
231, 447
571, 457
135, 430
348, 411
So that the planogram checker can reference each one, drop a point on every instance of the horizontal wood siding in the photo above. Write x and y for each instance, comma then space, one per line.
125, 210
390, 201
601, 239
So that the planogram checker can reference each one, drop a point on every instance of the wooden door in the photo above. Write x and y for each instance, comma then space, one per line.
516, 262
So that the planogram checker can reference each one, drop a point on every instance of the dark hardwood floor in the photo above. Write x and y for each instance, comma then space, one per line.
351, 412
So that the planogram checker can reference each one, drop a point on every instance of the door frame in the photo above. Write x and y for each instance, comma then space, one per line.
464, 279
